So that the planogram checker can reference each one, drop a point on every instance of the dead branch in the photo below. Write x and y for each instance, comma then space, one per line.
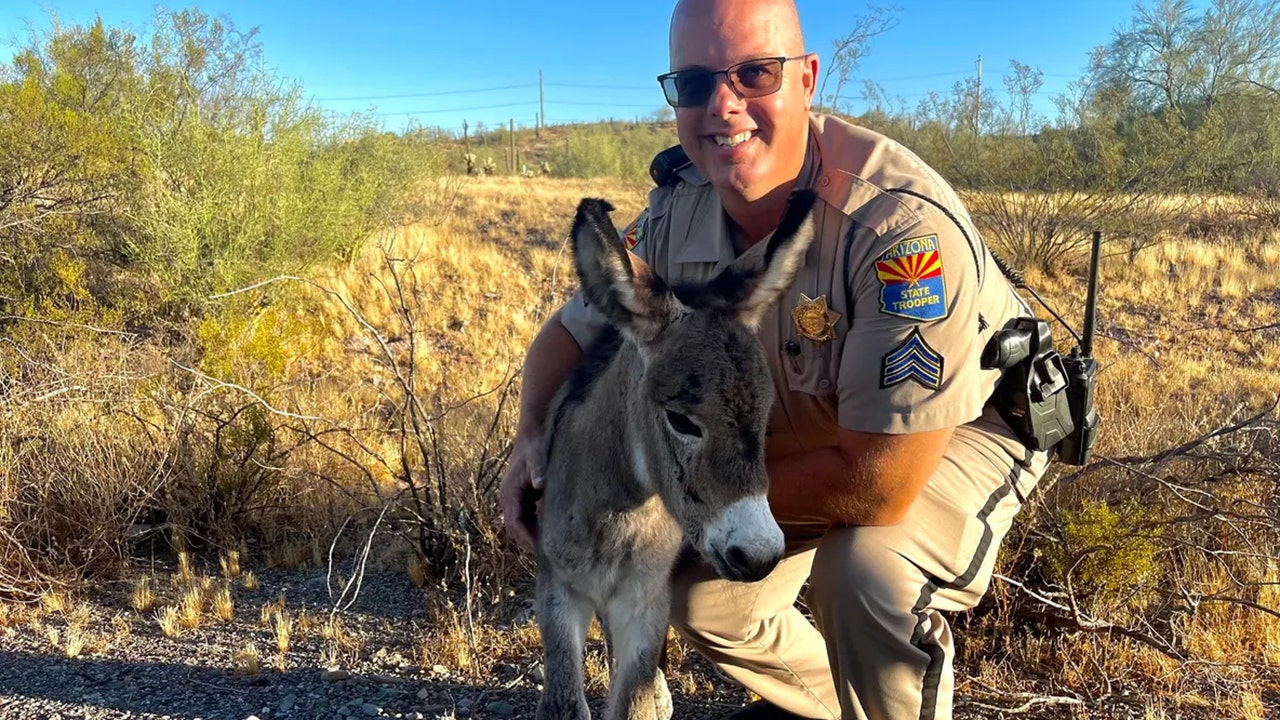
1080, 621
1031, 702
77, 326
217, 384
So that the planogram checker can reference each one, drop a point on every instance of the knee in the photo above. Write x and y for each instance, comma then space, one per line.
857, 575
693, 601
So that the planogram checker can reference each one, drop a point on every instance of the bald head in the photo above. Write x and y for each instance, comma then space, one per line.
702, 27
747, 136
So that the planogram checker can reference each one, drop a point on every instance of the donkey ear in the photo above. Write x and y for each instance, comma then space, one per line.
755, 280
614, 282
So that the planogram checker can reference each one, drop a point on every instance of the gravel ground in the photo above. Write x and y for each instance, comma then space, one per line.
142, 674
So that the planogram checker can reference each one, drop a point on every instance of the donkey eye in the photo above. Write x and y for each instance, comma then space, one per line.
682, 424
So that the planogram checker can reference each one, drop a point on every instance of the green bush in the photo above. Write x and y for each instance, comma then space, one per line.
602, 150
1109, 556
176, 167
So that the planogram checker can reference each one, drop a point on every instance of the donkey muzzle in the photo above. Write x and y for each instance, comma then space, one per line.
744, 543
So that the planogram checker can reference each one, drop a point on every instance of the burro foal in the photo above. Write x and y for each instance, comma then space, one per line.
656, 438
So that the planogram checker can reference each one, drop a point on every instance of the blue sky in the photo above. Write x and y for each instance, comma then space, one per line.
598, 59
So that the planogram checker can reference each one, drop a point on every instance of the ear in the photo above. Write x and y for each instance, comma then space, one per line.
615, 282
755, 280
809, 77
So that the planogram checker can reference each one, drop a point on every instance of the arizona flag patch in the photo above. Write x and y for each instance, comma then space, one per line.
912, 360
634, 232
911, 281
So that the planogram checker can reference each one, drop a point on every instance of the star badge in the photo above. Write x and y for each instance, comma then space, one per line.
814, 320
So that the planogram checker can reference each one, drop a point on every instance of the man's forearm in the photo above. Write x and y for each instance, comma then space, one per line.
868, 479
818, 485
551, 357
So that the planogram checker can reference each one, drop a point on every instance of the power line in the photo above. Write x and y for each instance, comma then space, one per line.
464, 109
655, 104
604, 87
629, 88
427, 94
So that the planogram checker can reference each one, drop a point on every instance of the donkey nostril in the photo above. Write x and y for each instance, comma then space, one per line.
738, 560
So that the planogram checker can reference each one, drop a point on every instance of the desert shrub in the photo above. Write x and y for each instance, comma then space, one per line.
176, 166
1109, 554
602, 150
76, 465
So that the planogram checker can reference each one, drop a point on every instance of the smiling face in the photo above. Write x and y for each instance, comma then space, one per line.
746, 147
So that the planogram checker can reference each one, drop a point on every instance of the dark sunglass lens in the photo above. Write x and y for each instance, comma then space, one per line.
763, 76
669, 90
694, 87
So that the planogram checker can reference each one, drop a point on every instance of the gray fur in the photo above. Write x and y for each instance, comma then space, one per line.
625, 487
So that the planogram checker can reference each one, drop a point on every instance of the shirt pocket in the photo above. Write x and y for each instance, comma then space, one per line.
808, 365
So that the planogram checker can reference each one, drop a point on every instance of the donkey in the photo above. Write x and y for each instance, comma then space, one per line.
657, 438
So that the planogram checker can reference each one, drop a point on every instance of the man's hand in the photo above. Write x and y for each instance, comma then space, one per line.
521, 494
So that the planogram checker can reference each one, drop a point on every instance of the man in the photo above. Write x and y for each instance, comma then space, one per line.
891, 476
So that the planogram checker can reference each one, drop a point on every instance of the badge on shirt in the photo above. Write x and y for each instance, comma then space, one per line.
911, 281
813, 319
634, 232
912, 360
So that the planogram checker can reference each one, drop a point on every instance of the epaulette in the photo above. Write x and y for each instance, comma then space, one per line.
665, 164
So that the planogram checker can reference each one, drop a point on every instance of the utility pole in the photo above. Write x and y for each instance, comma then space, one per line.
542, 106
977, 120
511, 130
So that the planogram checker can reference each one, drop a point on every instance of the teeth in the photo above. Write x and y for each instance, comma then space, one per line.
732, 141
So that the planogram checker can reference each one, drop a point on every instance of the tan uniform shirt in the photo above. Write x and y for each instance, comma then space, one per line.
912, 298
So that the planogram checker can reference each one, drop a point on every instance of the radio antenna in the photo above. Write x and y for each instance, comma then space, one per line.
1091, 301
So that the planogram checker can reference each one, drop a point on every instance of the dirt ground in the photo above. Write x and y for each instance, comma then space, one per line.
129, 669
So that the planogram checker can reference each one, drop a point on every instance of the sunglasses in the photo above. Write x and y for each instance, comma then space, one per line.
750, 79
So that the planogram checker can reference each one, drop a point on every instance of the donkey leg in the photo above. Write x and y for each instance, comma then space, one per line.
639, 626
563, 616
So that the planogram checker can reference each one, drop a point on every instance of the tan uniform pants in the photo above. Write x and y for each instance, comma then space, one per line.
881, 648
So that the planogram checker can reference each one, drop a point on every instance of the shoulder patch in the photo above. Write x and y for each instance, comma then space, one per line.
912, 360
912, 285
634, 233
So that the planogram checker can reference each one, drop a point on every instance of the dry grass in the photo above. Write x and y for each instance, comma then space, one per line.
247, 660
75, 642
54, 602
470, 652
169, 621
1175, 362
486, 279
230, 565
143, 597
283, 625
222, 604
191, 607
1174, 354
120, 626
269, 610
339, 644
184, 567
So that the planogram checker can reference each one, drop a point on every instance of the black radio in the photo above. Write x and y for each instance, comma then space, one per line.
1032, 394
1046, 399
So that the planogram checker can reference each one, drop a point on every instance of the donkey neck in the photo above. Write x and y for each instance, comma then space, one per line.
619, 398
600, 423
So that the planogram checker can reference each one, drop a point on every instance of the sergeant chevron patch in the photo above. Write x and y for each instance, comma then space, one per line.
912, 360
